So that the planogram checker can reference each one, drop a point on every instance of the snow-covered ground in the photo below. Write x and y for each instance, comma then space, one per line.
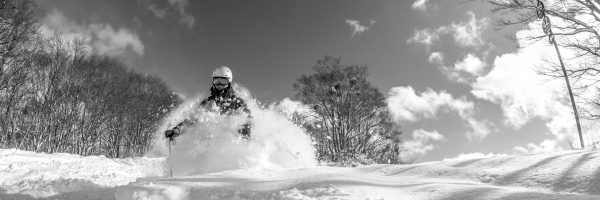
560, 175
27, 175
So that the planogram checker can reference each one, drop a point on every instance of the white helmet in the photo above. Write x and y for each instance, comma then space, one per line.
223, 72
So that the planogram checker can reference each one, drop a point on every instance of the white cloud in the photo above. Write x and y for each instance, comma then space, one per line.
174, 7
427, 37
480, 128
523, 94
158, 12
101, 37
436, 58
112, 41
420, 144
424, 5
471, 64
519, 89
420, 5
465, 34
543, 147
405, 105
185, 17
357, 28
469, 34
464, 71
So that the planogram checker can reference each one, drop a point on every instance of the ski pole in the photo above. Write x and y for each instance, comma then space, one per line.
170, 169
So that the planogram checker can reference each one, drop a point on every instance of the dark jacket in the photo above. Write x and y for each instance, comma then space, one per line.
227, 102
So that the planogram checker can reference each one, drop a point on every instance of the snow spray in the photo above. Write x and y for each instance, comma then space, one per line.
212, 143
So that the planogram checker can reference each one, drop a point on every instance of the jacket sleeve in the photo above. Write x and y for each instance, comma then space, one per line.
177, 128
186, 122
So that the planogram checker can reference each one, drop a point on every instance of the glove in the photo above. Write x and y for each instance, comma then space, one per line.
172, 133
245, 131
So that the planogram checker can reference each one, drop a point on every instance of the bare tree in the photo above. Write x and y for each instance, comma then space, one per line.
84, 103
18, 25
353, 123
56, 97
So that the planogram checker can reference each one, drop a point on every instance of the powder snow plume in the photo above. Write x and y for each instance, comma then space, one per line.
212, 143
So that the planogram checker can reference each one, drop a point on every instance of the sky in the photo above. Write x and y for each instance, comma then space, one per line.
454, 82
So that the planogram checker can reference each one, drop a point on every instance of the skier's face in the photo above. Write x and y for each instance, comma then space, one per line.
220, 83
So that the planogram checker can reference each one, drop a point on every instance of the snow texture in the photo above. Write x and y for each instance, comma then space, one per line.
563, 175
24, 175
558, 175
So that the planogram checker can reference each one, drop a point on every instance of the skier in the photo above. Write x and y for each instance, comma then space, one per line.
223, 99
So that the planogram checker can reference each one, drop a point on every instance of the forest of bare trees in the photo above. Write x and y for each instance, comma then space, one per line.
352, 123
57, 97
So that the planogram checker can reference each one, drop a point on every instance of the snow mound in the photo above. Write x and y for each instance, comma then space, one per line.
28, 174
212, 143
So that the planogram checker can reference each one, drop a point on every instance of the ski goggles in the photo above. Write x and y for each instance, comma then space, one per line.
220, 81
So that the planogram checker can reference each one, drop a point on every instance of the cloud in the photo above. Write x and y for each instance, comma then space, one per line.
471, 64
98, 36
522, 93
464, 71
420, 5
357, 28
427, 37
420, 144
185, 17
424, 5
543, 147
436, 58
158, 12
112, 41
465, 34
174, 7
405, 105
469, 34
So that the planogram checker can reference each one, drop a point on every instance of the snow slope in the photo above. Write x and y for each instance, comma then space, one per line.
560, 175
25, 175
563, 175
